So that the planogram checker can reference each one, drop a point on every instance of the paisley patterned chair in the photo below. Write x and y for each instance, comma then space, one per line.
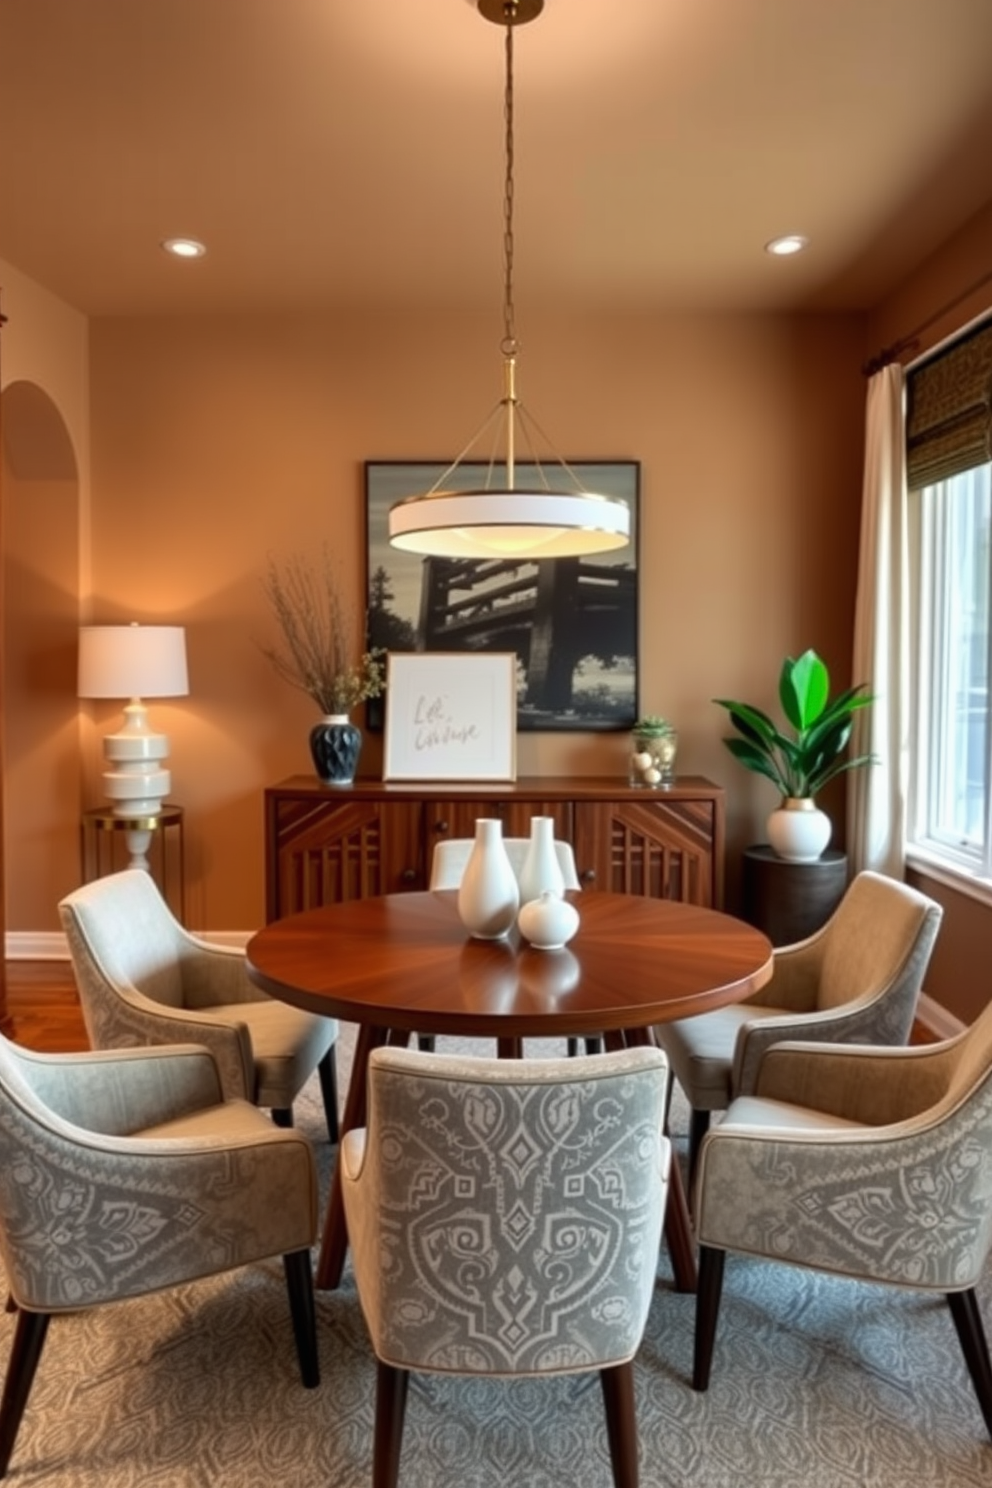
857, 980
143, 979
874, 1163
124, 1173
504, 1218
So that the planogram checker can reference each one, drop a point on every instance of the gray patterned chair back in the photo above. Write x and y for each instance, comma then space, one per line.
120, 930
505, 1215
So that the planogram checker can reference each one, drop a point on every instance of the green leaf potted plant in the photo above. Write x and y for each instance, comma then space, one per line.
801, 762
316, 658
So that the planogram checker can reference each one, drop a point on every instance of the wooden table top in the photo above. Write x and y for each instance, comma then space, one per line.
405, 961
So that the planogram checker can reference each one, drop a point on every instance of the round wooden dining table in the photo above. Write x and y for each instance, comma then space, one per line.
404, 964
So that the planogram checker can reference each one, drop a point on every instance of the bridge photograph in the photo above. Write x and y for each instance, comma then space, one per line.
572, 622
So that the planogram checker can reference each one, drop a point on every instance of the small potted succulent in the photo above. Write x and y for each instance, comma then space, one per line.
653, 747
316, 657
801, 762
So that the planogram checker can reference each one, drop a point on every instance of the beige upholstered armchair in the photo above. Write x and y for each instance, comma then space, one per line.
143, 979
504, 1217
857, 980
123, 1173
865, 1162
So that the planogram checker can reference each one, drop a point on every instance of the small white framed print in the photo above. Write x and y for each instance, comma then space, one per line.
451, 716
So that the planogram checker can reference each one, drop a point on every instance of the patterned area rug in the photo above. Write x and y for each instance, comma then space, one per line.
816, 1382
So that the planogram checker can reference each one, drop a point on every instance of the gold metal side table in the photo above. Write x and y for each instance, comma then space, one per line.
102, 829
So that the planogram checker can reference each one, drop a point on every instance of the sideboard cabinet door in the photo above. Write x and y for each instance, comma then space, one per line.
661, 849
327, 851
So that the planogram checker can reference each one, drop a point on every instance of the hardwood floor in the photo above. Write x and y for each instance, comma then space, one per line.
44, 1006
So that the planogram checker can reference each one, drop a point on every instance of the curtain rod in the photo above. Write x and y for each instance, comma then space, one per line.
911, 342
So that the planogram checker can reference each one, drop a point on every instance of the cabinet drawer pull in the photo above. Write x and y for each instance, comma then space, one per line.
588, 875
440, 826
409, 875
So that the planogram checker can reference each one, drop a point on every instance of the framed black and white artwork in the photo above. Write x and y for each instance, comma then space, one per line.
571, 622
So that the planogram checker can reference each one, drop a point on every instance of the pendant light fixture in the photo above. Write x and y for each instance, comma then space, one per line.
542, 519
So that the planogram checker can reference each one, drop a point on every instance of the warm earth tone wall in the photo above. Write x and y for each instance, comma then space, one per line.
218, 441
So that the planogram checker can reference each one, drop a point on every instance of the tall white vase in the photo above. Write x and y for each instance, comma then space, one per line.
488, 897
541, 872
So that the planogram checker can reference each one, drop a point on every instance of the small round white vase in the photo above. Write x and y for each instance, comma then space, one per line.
488, 897
798, 830
548, 921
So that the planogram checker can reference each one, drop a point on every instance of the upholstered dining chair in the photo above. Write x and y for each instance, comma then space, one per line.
126, 1172
504, 1217
452, 853
857, 980
872, 1163
144, 979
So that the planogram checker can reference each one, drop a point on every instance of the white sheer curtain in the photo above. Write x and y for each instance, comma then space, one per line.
877, 794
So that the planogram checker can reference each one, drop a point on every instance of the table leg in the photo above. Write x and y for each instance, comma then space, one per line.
334, 1240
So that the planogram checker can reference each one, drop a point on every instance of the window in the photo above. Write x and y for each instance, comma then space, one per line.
951, 753
949, 428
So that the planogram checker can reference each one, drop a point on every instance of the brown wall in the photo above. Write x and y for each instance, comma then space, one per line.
218, 441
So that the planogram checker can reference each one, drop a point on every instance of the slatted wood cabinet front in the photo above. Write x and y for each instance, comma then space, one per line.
325, 845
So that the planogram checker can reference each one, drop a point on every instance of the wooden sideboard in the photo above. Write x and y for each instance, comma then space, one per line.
327, 845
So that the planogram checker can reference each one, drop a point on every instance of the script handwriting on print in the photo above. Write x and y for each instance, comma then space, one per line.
435, 725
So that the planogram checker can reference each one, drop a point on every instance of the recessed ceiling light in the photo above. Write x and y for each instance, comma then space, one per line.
184, 247
791, 243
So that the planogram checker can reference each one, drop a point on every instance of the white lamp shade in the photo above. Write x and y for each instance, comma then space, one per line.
132, 661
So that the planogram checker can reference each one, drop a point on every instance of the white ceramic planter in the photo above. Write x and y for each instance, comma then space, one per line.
798, 830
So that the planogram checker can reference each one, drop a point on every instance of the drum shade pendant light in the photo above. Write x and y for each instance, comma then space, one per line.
545, 519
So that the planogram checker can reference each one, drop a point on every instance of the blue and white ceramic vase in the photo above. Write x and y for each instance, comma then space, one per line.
335, 744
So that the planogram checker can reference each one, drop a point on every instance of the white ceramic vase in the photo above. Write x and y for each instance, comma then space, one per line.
548, 921
798, 830
488, 897
541, 870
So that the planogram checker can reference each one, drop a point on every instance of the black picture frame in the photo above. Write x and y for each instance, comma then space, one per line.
582, 611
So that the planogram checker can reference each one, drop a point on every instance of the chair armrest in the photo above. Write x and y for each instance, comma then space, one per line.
795, 977
215, 975
116, 1091
870, 1085
139, 1020
859, 1022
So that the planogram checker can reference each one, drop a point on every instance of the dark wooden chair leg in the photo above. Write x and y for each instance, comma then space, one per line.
29, 1339
708, 1294
10, 1305
327, 1071
594, 1044
573, 1047
299, 1282
699, 1125
282, 1115
974, 1346
621, 1423
425, 1042
390, 1410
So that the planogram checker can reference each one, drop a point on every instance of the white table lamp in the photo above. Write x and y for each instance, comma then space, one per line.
135, 662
